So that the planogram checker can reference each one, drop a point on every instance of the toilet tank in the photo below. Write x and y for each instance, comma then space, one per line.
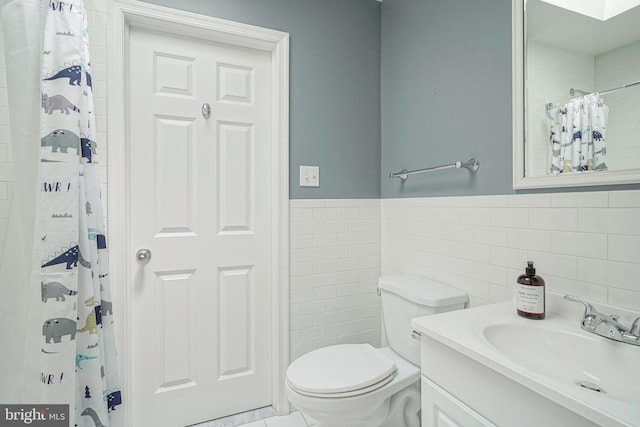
405, 297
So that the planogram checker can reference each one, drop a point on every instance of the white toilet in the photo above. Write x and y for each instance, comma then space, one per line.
357, 385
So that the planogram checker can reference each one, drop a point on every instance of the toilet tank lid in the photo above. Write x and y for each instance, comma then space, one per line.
422, 290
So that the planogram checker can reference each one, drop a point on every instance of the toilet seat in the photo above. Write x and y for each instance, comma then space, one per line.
340, 371
351, 393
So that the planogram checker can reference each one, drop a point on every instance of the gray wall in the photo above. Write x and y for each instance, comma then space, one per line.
380, 87
446, 95
334, 86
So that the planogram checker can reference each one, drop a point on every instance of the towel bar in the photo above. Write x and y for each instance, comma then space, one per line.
471, 165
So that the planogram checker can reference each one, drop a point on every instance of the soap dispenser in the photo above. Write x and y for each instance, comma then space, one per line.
530, 294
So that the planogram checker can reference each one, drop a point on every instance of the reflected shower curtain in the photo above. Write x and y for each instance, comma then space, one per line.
577, 134
69, 354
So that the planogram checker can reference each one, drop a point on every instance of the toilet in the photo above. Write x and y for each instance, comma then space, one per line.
357, 385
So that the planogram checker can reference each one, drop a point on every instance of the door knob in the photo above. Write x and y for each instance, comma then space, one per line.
143, 255
206, 110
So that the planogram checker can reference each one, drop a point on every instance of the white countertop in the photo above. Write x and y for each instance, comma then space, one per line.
464, 331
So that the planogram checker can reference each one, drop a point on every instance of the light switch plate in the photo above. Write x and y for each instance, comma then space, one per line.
309, 176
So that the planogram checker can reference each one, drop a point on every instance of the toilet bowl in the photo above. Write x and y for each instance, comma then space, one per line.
357, 385
358, 406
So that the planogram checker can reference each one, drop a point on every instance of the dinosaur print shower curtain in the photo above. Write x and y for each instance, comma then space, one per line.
71, 355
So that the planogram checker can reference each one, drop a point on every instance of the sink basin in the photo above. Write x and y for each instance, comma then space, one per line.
572, 357
551, 365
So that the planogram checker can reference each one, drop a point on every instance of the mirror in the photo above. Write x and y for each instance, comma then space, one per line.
576, 86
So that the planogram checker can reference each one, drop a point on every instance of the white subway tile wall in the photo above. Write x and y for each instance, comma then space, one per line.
97, 20
549, 81
584, 243
335, 265
6, 164
624, 115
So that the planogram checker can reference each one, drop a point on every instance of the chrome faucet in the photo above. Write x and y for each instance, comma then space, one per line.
607, 326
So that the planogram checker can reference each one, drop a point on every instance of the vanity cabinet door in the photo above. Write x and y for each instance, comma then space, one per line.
440, 409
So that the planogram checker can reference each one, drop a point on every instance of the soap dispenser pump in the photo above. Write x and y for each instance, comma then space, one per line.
530, 294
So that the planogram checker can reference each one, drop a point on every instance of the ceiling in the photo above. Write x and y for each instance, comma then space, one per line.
573, 31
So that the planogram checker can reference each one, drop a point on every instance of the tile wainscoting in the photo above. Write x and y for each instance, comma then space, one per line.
583, 243
335, 265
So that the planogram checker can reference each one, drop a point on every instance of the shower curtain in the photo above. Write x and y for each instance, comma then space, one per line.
577, 135
69, 354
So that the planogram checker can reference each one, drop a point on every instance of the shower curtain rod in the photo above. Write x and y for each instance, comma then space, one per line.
573, 91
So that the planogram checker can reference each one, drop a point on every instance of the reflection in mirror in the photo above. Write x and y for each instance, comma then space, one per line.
582, 88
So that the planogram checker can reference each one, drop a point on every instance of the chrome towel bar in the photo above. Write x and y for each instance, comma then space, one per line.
471, 165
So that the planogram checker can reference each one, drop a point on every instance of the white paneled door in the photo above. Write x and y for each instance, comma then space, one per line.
200, 195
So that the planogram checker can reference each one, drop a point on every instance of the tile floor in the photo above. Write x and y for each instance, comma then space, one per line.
295, 419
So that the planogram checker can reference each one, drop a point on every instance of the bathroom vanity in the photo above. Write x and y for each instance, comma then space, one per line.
486, 366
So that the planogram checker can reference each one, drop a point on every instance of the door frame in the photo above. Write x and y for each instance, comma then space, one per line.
127, 14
